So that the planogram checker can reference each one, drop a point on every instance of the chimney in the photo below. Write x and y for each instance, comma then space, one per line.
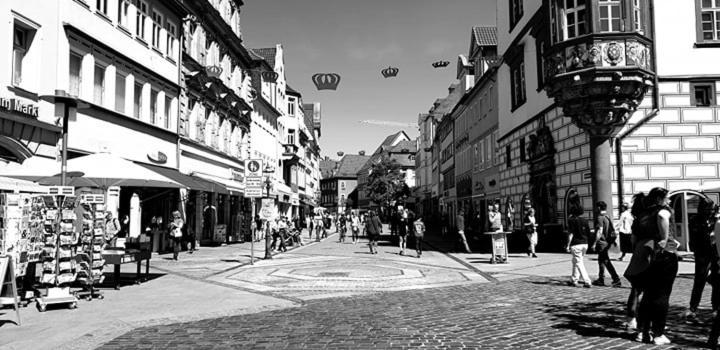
362, 153
327, 158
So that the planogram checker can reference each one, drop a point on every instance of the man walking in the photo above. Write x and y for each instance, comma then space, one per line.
605, 238
460, 223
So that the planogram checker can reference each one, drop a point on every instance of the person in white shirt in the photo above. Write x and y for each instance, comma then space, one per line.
624, 227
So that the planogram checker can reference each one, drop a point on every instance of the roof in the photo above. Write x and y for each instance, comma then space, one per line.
350, 164
446, 105
268, 54
290, 90
388, 142
485, 36
327, 167
408, 145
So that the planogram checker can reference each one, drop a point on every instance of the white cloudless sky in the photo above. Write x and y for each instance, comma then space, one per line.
357, 39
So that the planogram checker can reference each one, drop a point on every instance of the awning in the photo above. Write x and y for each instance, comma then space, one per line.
17, 185
234, 187
191, 182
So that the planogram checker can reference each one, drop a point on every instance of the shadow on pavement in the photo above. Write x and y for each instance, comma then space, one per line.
605, 319
127, 279
7, 322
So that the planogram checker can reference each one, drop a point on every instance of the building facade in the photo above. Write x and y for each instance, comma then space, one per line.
339, 193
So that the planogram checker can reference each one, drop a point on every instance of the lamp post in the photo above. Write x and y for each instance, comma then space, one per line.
268, 235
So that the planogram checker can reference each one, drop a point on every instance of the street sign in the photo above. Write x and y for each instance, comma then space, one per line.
253, 178
61, 190
253, 168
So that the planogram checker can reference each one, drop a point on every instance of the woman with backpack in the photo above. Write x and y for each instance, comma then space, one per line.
653, 266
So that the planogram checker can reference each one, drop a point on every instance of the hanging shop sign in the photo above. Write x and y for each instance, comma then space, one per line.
157, 157
18, 106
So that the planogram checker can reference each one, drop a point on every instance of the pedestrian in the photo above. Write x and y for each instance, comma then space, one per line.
701, 226
445, 223
530, 225
402, 230
319, 225
625, 229
112, 228
268, 225
494, 217
327, 224
578, 236
460, 224
636, 210
605, 237
175, 229
653, 266
419, 230
281, 234
355, 226
374, 229
258, 229
343, 228
715, 330
310, 223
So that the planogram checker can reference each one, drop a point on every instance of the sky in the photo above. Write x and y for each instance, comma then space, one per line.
357, 39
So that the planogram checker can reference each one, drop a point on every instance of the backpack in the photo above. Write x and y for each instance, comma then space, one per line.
611, 235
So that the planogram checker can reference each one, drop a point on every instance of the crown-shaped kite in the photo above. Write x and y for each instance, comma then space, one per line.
390, 72
269, 76
326, 81
440, 64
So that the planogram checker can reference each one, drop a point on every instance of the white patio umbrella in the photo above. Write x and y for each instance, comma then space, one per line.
105, 170
12, 184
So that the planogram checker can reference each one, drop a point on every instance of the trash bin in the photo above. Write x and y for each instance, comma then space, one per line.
499, 247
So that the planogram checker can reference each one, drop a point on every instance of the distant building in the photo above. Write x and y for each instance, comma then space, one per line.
341, 182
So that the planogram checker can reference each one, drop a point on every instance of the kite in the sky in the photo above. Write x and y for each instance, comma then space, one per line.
390, 72
326, 81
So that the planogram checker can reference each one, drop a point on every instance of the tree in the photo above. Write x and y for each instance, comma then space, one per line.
386, 182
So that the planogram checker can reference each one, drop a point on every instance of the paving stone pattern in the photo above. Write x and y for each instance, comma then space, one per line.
531, 313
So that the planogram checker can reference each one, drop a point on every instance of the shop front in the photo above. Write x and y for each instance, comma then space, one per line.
23, 134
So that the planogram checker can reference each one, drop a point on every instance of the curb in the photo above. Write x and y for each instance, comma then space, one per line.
462, 262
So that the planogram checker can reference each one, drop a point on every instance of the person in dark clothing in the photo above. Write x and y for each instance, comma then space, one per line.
578, 237
374, 229
605, 238
701, 225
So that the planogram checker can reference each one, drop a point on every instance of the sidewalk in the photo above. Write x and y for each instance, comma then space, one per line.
177, 291
520, 265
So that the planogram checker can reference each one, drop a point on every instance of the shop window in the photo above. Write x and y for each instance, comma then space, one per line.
99, 85
140, 18
171, 39
101, 7
610, 17
517, 74
120, 92
709, 20
703, 94
75, 74
22, 39
137, 101
516, 12
156, 29
123, 13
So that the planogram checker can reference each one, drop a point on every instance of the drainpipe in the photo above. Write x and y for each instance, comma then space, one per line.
644, 120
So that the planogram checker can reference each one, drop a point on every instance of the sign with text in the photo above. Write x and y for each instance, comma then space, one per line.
253, 178
267, 208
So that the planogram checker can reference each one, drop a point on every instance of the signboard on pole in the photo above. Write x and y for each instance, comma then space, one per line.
267, 209
253, 178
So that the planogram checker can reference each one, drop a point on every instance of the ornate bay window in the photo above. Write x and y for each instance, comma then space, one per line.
598, 68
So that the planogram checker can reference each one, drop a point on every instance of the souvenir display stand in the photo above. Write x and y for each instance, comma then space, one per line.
89, 257
22, 238
58, 270
8, 289
499, 247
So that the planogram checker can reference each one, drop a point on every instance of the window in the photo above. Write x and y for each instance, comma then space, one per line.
123, 11
75, 74
291, 138
170, 39
709, 29
516, 12
637, 16
99, 85
140, 18
101, 6
522, 149
508, 156
153, 106
540, 61
517, 76
137, 101
610, 17
573, 17
703, 94
21, 43
342, 185
157, 28
120, 92
291, 108
168, 105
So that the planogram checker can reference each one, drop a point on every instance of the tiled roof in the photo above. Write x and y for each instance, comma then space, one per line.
485, 36
268, 54
409, 145
327, 167
445, 105
289, 89
350, 164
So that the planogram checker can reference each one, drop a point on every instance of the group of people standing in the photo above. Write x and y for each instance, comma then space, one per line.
645, 229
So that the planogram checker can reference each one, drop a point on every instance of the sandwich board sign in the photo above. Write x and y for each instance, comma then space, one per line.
8, 289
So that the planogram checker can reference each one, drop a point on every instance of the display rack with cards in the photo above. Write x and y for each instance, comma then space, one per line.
89, 257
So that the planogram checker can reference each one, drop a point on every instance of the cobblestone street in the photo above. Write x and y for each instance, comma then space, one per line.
354, 301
